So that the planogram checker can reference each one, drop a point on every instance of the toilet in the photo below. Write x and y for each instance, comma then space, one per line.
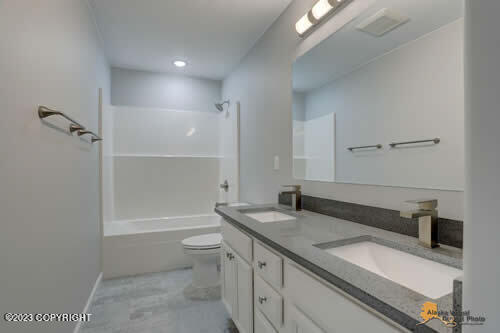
204, 251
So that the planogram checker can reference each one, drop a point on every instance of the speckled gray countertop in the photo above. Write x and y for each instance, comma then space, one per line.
296, 239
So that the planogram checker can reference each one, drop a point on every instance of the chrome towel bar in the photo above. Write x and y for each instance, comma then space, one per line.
395, 144
44, 112
379, 146
95, 137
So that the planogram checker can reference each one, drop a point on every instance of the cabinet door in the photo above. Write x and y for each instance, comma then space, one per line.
262, 325
228, 280
244, 299
300, 323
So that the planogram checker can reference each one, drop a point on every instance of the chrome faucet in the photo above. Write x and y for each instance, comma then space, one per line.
427, 221
296, 196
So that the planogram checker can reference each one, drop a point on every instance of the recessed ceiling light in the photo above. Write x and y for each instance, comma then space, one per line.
180, 63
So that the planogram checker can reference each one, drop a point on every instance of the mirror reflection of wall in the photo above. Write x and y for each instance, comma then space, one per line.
313, 141
404, 85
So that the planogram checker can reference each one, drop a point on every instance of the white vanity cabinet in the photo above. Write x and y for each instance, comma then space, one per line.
237, 291
265, 292
228, 280
237, 277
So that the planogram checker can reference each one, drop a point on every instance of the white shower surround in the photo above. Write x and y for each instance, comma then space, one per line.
314, 148
166, 168
165, 162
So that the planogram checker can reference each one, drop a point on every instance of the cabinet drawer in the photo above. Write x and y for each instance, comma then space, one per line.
268, 301
262, 325
330, 309
299, 322
268, 265
240, 242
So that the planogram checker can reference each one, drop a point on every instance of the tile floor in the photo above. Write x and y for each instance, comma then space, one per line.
154, 303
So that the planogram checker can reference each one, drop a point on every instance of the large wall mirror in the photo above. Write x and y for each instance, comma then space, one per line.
365, 88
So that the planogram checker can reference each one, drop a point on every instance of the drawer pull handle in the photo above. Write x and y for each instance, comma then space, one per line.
231, 256
261, 264
262, 299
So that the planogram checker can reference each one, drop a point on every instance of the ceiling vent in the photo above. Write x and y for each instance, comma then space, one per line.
382, 22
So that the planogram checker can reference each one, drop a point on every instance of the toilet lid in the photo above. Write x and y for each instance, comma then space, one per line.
203, 241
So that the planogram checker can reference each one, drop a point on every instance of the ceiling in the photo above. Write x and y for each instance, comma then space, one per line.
349, 48
211, 35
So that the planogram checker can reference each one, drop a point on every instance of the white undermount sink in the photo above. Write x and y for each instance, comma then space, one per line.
270, 216
427, 277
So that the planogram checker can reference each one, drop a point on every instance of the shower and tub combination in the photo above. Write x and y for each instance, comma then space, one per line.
162, 175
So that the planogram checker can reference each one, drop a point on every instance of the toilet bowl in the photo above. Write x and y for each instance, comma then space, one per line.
204, 250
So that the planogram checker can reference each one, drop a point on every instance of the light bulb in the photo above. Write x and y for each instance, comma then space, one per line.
303, 24
321, 8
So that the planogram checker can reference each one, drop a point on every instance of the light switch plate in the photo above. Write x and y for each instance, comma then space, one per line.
276, 162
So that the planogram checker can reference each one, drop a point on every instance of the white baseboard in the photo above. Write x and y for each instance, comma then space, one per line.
89, 301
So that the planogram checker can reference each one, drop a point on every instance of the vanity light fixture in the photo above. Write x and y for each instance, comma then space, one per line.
303, 24
180, 63
319, 11
323, 7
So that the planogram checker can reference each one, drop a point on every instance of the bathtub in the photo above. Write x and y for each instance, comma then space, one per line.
151, 245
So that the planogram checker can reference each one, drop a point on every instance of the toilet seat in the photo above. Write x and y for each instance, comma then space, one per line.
203, 242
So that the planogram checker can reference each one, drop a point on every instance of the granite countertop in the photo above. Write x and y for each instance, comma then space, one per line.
296, 239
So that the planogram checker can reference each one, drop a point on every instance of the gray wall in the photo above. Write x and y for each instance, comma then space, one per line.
299, 106
262, 82
482, 187
49, 210
157, 90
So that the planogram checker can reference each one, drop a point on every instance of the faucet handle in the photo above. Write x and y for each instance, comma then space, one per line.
296, 187
425, 204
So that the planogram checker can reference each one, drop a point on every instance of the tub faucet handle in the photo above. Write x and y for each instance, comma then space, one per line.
225, 186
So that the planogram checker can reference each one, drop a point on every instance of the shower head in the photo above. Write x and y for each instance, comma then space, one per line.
220, 106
